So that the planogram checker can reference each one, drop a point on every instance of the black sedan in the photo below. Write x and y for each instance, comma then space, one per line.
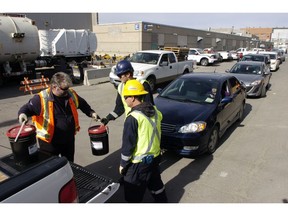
197, 109
255, 75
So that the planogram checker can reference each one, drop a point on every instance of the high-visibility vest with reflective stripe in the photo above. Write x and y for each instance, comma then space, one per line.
44, 123
120, 91
149, 135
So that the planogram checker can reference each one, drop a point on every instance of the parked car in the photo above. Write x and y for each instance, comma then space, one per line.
281, 54
274, 60
257, 57
255, 75
235, 55
197, 110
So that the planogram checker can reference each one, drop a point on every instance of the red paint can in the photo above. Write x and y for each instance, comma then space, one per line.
25, 148
99, 139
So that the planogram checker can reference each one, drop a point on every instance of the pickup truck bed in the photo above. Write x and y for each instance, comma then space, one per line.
91, 187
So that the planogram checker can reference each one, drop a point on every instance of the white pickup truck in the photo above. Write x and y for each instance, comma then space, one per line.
155, 66
198, 55
47, 179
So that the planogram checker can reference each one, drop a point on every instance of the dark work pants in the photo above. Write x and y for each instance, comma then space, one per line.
66, 149
141, 176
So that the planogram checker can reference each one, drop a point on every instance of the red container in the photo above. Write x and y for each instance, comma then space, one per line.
25, 148
99, 139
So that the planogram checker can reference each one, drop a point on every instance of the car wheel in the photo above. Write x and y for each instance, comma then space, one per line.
241, 113
152, 83
213, 141
263, 91
204, 62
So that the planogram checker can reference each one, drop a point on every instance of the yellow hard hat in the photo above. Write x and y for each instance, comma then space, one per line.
133, 88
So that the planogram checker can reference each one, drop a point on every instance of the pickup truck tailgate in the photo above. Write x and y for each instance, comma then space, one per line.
91, 187
89, 184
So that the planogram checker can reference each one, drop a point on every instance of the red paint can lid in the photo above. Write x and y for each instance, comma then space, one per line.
26, 131
97, 129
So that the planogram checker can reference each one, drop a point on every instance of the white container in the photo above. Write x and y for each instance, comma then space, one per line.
14, 48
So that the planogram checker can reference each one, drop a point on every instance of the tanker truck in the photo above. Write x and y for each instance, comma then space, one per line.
27, 51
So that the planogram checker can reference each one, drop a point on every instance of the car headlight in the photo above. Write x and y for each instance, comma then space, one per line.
138, 73
256, 82
193, 127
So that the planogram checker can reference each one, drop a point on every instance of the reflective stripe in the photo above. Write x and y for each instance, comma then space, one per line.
125, 158
147, 142
158, 191
155, 131
114, 114
120, 91
45, 121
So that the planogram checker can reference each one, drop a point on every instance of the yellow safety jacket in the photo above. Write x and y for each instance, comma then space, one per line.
149, 135
120, 91
44, 123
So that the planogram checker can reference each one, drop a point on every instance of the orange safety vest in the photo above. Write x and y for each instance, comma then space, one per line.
44, 123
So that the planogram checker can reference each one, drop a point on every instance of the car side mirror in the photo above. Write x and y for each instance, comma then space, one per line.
159, 90
226, 100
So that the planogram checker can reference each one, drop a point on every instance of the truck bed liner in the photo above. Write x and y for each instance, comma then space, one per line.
88, 183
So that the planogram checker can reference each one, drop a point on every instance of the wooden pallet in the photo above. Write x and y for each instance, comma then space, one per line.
180, 52
34, 84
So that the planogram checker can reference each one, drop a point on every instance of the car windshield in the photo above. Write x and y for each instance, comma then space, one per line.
253, 58
147, 58
246, 69
189, 90
272, 56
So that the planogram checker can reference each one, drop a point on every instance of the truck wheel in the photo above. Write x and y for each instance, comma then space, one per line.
204, 62
152, 82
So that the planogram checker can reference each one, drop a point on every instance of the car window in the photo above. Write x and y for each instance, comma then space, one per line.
198, 91
234, 84
172, 58
225, 91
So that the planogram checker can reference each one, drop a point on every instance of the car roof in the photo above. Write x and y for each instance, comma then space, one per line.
250, 62
254, 54
208, 75
269, 52
154, 51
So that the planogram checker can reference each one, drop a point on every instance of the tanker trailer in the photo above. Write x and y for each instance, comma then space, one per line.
25, 50
68, 50
19, 47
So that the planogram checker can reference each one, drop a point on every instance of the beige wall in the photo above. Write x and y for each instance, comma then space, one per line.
126, 38
118, 39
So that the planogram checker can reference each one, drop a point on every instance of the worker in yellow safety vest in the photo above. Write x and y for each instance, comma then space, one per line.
140, 152
124, 71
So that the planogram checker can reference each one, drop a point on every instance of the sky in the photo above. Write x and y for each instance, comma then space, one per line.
202, 20
196, 14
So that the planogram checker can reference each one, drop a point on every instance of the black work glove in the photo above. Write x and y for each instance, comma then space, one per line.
104, 121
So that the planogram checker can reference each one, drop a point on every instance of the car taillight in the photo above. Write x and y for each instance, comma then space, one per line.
68, 193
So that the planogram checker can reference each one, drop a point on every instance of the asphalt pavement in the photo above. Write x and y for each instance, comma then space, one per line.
248, 167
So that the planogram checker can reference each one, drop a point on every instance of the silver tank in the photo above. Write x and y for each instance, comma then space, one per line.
14, 45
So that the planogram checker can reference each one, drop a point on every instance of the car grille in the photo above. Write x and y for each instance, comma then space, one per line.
168, 128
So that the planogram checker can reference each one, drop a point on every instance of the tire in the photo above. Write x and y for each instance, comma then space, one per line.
213, 140
241, 113
152, 83
263, 91
204, 62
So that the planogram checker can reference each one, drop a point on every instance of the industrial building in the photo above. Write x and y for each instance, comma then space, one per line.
127, 38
